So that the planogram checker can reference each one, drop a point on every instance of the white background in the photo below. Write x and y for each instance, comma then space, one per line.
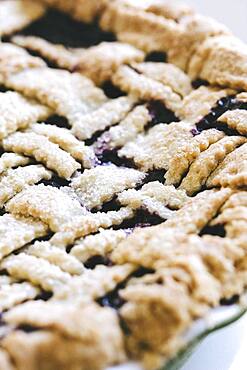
232, 13
226, 350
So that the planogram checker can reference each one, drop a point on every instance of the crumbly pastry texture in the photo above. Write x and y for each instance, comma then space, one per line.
123, 177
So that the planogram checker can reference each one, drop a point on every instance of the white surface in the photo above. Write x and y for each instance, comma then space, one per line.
232, 13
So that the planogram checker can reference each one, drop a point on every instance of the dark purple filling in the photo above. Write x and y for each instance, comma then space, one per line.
156, 56
58, 121
113, 299
59, 28
112, 205
195, 132
44, 296
155, 175
3, 89
160, 114
217, 230
94, 261
142, 218
198, 83
229, 301
107, 156
56, 182
27, 328
223, 105
111, 90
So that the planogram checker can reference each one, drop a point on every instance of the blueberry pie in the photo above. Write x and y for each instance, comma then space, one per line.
123, 178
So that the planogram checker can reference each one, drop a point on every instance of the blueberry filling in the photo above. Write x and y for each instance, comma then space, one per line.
155, 175
112, 205
229, 301
44, 296
58, 121
56, 182
223, 105
111, 91
94, 261
3, 89
142, 219
113, 299
156, 56
160, 114
2, 211
27, 328
194, 131
217, 230
198, 83
59, 28
106, 155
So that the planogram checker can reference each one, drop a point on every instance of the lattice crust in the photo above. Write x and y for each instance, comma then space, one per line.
107, 342
14, 181
107, 115
15, 15
89, 224
11, 160
14, 294
233, 216
145, 88
208, 161
88, 254
66, 141
167, 74
236, 120
122, 17
94, 284
83, 10
197, 212
56, 53
174, 10
14, 59
156, 198
69, 94
99, 185
187, 153
221, 60
200, 102
237, 229
232, 171
16, 231
127, 130
100, 244
51, 205
147, 31
155, 149
16, 112
56, 256
97, 62
183, 263
172, 252
43, 150
36, 270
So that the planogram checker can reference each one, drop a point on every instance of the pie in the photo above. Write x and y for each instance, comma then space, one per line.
123, 177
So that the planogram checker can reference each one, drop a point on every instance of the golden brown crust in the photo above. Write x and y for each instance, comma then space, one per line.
221, 60
83, 10
143, 169
17, 14
232, 171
